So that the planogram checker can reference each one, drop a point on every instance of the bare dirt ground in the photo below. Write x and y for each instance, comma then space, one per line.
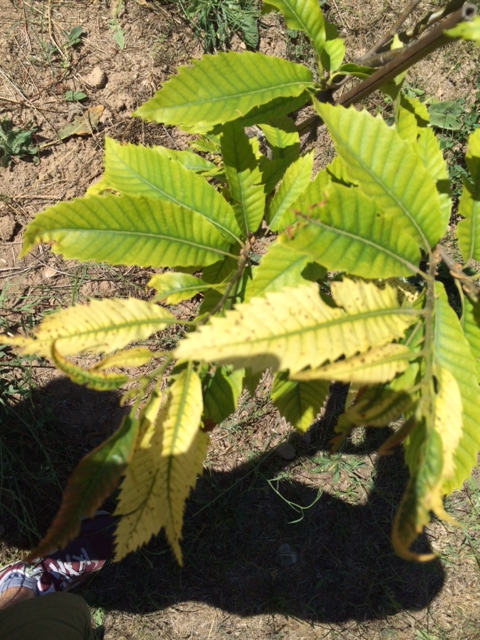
281, 541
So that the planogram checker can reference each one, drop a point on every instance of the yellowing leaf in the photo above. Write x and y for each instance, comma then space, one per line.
135, 357
423, 494
173, 287
298, 402
448, 417
101, 326
453, 352
89, 378
164, 468
376, 365
84, 124
295, 328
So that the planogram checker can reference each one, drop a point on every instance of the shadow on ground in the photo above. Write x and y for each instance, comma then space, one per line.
242, 553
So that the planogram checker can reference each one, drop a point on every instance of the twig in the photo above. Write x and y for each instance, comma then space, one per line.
390, 33
456, 271
409, 55
406, 57
374, 58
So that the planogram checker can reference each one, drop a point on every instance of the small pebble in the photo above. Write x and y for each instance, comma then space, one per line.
96, 78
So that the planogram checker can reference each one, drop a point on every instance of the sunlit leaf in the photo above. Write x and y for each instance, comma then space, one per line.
98, 380
346, 232
244, 178
141, 171
279, 268
295, 180
379, 364
221, 88
372, 153
127, 230
468, 230
163, 469
295, 328
173, 287
101, 326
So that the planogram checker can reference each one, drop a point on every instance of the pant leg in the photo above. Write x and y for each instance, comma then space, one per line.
56, 616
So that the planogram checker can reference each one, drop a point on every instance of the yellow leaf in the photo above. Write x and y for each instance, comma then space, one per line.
379, 364
294, 329
90, 378
448, 417
163, 470
101, 326
135, 357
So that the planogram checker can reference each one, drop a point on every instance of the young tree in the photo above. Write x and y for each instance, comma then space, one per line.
346, 290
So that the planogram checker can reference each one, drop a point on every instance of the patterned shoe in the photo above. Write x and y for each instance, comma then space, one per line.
68, 567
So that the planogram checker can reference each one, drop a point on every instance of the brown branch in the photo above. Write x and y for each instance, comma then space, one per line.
405, 59
375, 58
389, 34
456, 271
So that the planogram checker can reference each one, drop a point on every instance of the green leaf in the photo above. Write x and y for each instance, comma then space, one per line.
446, 115
175, 287
221, 88
302, 15
189, 160
376, 157
74, 96
94, 479
296, 179
453, 352
346, 232
278, 108
468, 230
471, 328
244, 178
140, 171
220, 393
333, 54
279, 268
466, 30
282, 137
298, 402
412, 125
295, 328
164, 468
127, 230
355, 70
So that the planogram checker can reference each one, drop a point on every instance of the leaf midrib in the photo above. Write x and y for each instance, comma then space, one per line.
366, 241
347, 319
143, 234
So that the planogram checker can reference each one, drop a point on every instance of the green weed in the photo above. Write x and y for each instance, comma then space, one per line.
16, 142
216, 21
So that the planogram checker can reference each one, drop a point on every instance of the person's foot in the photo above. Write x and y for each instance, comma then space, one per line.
65, 569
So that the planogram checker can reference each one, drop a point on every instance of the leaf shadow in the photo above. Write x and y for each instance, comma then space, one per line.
242, 552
